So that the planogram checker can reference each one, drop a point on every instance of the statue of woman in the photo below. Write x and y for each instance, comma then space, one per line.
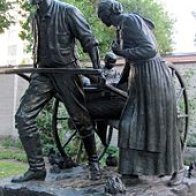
149, 141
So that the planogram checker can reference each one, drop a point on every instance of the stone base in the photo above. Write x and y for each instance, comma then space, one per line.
74, 182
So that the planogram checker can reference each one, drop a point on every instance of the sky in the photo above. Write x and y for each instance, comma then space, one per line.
185, 25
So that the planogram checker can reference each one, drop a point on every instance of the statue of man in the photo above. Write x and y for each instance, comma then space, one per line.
56, 27
149, 141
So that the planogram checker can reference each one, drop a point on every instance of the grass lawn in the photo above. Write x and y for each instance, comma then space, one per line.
12, 161
11, 167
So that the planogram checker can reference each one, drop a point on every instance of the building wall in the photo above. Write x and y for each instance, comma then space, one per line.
11, 89
12, 48
6, 105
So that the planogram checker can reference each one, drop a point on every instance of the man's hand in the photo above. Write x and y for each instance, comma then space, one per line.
94, 56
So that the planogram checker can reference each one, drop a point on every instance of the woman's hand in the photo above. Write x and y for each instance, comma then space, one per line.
117, 49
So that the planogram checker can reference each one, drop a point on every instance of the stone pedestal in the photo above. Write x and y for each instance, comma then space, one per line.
74, 182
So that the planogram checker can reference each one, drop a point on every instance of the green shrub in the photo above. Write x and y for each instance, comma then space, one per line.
113, 151
11, 142
191, 140
44, 123
18, 155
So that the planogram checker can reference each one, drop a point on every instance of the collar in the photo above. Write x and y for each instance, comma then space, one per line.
49, 11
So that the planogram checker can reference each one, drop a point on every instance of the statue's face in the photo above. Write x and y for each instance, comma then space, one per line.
35, 2
105, 18
109, 65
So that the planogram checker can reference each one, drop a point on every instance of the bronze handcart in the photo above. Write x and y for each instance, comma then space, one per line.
65, 137
59, 118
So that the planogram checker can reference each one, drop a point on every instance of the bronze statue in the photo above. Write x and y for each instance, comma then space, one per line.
149, 141
56, 27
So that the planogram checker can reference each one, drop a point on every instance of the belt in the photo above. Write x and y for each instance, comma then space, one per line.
144, 60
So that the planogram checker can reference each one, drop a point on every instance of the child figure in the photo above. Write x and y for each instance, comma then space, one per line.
111, 74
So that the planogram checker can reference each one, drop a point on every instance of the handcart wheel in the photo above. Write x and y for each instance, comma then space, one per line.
59, 123
67, 140
182, 105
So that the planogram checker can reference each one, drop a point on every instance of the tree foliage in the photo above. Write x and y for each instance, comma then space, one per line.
5, 18
160, 17
148, 8
26, 13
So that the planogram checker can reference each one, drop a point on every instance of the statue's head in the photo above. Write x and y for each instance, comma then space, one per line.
110, 60
107, 9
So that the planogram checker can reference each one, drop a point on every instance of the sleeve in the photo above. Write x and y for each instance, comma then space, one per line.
81, 29
138, 40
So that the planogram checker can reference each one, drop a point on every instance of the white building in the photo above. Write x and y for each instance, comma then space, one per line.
11, 86
12, 48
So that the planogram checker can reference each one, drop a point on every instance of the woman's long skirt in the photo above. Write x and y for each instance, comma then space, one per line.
149, 141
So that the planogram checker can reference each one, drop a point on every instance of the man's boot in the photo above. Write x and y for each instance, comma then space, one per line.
90, 147
32, 147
